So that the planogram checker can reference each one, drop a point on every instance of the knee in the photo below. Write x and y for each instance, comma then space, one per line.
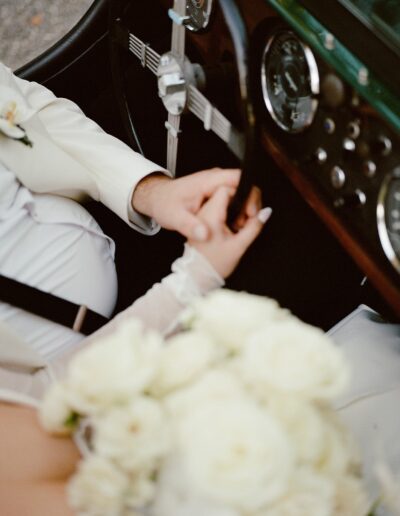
46, 457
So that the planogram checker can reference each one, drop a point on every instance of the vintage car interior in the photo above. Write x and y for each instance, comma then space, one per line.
301, 94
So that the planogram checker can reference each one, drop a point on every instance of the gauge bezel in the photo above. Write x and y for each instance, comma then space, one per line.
314, 81
383, 232
205, 27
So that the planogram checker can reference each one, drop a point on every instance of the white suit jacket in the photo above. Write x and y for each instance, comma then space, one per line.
71, 155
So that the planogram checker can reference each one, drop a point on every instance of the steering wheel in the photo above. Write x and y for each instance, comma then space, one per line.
180, 83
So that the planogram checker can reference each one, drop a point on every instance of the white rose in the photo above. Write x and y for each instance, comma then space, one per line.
55, 411
216, 384
308, 494
340, 453
141, 491
296, 358
175, 497
231, 316
351, 498
134, 436
113, 369
98, 488
318, 436
10, 130
235, 453
303, 424
185, 356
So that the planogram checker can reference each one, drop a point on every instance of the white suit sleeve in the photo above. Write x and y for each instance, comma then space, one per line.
113, 169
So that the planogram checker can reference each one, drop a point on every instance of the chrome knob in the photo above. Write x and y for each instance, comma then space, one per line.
320, 156
381, 146
338, 177
351, 200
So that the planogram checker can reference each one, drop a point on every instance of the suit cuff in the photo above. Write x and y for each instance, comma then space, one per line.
142, 223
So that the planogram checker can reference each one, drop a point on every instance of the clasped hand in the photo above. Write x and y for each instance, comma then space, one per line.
196, 206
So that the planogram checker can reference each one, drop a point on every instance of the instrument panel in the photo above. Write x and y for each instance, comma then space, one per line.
339, 148
336, 148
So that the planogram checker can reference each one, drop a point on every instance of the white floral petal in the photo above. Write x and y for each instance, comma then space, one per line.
11, 130
9, 97
235, 453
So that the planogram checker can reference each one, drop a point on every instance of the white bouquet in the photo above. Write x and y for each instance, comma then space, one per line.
230, 417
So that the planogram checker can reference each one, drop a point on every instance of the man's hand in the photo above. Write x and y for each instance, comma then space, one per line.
224, 249
174, 203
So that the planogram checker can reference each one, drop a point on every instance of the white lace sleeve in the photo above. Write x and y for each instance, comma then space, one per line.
192, 276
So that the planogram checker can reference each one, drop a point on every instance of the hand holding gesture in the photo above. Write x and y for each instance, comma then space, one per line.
175, 203
224, 248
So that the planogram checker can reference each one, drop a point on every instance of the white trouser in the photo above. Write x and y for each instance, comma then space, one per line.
73, 260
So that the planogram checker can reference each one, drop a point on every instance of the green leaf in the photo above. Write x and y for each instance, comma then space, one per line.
72, 420
26, 141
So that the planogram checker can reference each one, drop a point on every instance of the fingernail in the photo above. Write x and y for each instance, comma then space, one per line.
264, 215
252, 210
200, 233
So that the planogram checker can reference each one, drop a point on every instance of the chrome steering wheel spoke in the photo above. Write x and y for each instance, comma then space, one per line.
178, 51
172, 126
179, 91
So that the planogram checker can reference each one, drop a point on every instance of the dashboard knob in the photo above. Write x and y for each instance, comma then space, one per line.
353, 129
320, 156
369, 168
381, 146
338, 177
333, 90
349, 147
352, 200
329, 125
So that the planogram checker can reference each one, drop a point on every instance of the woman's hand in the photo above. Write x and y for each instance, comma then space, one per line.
224, 249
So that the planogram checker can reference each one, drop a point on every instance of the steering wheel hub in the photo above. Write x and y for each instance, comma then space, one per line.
172, 76
181, 83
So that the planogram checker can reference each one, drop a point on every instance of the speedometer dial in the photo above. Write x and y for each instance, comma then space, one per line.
388, 215
290, 81
199, 13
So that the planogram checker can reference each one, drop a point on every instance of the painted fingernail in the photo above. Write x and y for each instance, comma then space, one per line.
200, 233
264, 215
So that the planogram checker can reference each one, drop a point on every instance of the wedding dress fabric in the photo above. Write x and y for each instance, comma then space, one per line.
371, 345
370, 407
191, 277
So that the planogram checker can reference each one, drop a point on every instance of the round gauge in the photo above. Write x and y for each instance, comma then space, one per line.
388, 217
290, 81
199, 13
